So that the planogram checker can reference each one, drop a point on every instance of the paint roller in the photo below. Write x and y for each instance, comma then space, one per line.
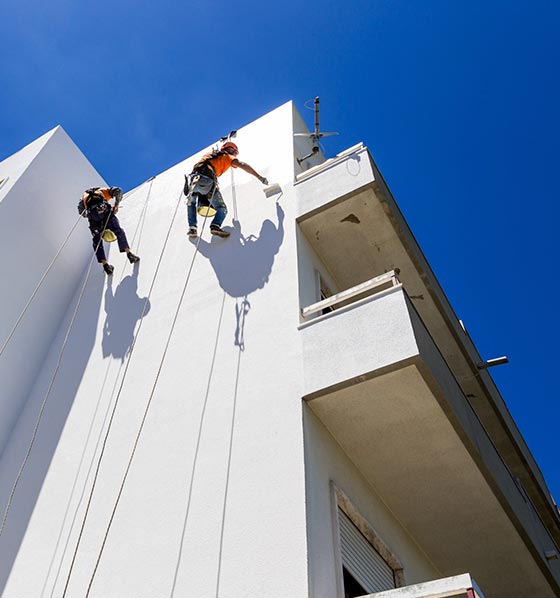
273, 189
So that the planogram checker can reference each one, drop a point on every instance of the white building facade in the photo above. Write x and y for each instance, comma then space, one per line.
294, 411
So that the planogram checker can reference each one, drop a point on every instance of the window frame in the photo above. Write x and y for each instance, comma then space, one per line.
322, 290
341, 501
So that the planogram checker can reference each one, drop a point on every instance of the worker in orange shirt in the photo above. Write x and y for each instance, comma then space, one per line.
94, 205
202, 183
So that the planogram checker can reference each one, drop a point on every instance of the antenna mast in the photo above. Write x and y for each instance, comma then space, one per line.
316, 136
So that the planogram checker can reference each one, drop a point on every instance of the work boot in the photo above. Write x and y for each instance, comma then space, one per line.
193, 233
219, 232
132, 258
108, 269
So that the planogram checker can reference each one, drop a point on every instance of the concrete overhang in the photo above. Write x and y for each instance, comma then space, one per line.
380, 385
349, 216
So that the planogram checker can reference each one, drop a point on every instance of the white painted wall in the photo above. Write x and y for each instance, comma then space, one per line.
337, 347
215, 500
338, 176
37, 212
326, 462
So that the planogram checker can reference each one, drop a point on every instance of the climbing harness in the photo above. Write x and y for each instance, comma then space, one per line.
96, 203
94, 206
45, 273
203, 177
53, 378
197, 184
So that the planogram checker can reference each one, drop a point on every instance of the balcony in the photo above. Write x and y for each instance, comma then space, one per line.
347, 215
376, 379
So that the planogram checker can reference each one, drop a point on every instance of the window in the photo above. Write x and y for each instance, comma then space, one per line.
368, 565
360, 559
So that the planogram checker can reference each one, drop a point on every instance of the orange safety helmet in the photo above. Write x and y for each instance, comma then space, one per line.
229, 145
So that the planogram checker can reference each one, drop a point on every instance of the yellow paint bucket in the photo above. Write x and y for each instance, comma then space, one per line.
108, 236
204, 208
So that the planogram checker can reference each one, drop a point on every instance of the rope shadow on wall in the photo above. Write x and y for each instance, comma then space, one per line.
80, 346
242, 265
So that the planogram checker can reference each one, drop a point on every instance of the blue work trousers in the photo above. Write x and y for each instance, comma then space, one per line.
97, 229
205, 186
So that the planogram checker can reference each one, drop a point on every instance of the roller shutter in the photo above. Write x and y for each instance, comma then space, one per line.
363, 562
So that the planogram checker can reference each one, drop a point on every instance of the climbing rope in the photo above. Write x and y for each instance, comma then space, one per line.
111, 419
76, 480
146, 410
234, 196
49, 389
47, 394
137, 235
30, 300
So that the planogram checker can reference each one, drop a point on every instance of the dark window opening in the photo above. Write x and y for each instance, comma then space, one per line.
352, 588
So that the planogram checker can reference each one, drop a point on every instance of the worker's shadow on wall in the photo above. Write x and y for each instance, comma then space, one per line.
243, 263
123, 309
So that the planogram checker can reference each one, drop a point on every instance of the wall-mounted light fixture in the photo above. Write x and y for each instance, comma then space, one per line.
492, 362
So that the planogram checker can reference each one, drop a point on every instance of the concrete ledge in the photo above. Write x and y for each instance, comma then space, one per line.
459, 586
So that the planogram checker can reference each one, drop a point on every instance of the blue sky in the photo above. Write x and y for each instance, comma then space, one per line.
457, 101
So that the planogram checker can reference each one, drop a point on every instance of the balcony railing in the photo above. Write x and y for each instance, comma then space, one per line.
460, 586
382, 285
364, 289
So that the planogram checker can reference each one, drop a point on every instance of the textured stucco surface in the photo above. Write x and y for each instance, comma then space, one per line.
230, 490
217, 484
37, 212
326, 463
